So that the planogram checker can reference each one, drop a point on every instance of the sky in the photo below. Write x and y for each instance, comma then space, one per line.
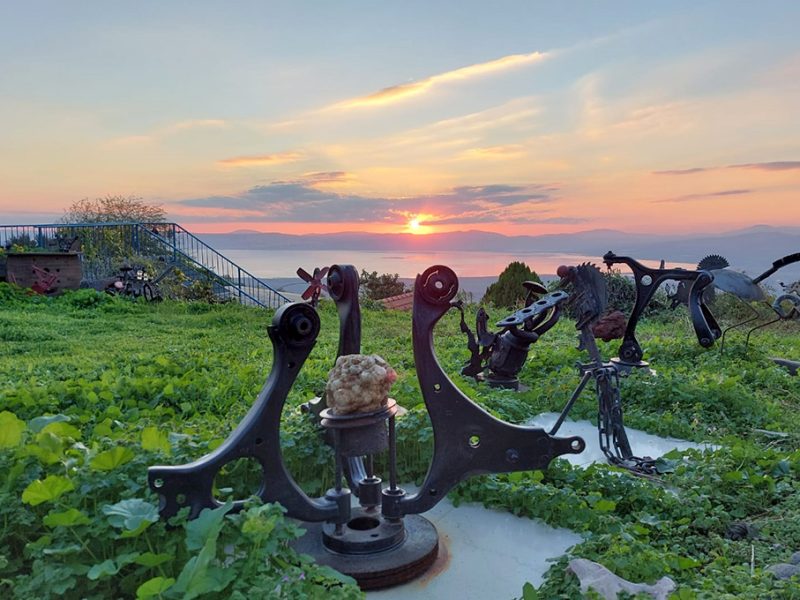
523, 118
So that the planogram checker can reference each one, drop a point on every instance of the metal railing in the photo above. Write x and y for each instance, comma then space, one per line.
104, 246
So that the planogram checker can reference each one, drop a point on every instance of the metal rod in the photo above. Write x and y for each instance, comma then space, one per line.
584, 380
338, 458
392, 456
370, 466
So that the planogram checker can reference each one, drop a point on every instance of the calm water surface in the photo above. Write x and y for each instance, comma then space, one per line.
284, 263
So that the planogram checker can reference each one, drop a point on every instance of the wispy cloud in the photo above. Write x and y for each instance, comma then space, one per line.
704, 196
506, 152
261, 160
691, 171
303, 202
780, 165
327, 177
403, 91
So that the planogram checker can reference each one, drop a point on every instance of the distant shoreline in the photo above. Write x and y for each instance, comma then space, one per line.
476, 286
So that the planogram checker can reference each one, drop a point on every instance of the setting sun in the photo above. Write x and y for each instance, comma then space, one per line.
416, 225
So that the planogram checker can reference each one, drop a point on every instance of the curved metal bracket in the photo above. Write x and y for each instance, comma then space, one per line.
293, 333
343, 288
778, 264
647, 282
468, 440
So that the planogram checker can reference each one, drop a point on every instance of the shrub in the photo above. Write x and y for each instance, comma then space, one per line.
377, 287
507, 291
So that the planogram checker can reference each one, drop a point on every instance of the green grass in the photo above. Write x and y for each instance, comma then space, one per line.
132, 385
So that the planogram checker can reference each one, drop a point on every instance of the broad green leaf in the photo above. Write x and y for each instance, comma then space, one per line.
11, 429
67, 518
40, 423
47, 447
665, 465
63, 430
103, 428
733, 476
529, 592
198, 576
605, 505
155, 439
135, 532
130, 514
104, 569
149, 559
686, 562
206, 526
127, 558
51, 488
154, 587
111, 459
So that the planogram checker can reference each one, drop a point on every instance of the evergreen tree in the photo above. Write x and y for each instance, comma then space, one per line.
507, 291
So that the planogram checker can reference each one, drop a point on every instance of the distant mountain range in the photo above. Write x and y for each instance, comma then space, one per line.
751, 250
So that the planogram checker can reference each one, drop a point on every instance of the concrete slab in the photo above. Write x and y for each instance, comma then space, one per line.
483, 553
491, 554
642, 443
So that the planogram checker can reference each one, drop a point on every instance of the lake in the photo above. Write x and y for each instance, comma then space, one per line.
271, 264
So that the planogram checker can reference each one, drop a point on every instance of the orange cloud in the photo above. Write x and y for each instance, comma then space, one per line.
264, 159
506, 152
404, 91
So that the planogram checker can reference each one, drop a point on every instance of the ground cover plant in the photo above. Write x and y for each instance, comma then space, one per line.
94, 389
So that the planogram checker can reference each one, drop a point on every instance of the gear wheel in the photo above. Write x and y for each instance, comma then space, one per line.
713, 261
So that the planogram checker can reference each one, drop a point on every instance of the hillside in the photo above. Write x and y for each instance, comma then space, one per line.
95, 389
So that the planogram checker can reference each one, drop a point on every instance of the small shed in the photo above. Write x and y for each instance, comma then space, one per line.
45, 272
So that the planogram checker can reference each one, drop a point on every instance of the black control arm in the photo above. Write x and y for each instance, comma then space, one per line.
647, 282
467, 439
293, 333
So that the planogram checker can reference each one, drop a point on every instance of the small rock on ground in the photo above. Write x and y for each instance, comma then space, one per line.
784, 570
595, 576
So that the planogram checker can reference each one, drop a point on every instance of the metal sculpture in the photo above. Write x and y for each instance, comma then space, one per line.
135, 282
497, 358
749, 291
647, 281
382, 541
588, 301
681, 294
315, 285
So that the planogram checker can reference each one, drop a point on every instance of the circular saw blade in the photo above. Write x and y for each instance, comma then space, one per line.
713, 262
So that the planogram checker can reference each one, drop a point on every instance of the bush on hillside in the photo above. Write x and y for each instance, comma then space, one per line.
507, 291
377, 287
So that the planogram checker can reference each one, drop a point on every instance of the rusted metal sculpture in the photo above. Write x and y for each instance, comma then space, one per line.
588, 301
680, 296
647, 282
497, 358
382, 541
315, 285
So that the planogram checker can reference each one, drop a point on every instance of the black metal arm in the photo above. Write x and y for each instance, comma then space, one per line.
647, 282
293, 333
467, 439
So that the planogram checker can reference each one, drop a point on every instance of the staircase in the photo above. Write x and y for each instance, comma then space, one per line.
106, 245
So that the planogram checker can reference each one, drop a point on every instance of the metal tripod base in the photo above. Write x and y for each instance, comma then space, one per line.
505, 383
377, 553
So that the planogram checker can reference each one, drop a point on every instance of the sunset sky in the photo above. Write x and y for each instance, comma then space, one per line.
517, 117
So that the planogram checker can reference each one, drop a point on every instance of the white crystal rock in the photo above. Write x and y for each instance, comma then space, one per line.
359, 383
